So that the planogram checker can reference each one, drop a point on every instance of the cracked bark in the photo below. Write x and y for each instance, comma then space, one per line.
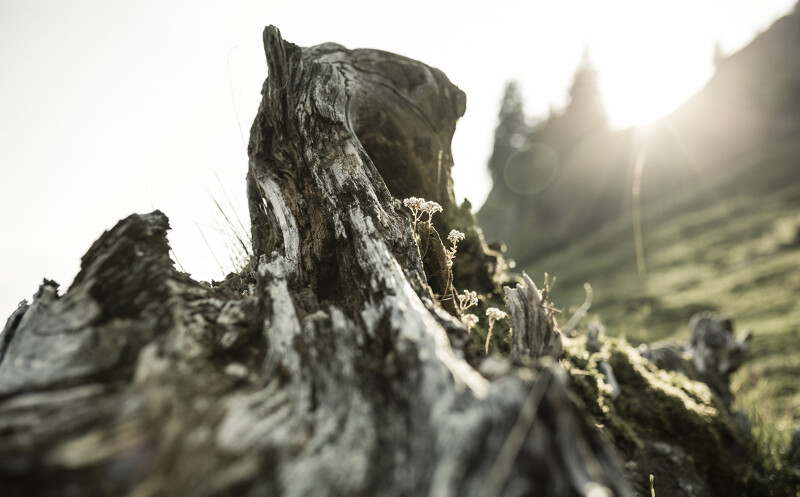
535, 332
329, 370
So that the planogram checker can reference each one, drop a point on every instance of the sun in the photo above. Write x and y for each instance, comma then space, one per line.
636, 96
644, 73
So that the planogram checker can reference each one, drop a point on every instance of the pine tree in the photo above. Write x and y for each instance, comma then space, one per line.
511, 132
585, 110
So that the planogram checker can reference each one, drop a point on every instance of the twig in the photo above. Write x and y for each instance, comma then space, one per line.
581, 311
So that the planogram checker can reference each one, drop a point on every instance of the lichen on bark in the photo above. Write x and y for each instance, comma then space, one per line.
326, 368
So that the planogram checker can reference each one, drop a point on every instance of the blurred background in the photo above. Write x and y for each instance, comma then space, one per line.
648, 148
696, 210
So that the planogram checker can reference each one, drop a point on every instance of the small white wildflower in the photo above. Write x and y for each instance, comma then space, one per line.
467, 300
494, 314
415, 204
431, 208
455, 236
420, 206
469, 321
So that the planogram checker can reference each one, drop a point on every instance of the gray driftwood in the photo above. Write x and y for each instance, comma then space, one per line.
324, 370
711, 355
535, 331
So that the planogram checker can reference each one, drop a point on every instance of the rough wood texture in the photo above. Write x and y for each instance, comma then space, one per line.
329, 371
711, 355
535, 332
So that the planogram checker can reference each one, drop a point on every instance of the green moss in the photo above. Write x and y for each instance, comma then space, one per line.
738, 257
656, 406
590, 386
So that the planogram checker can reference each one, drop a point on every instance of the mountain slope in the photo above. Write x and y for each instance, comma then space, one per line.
572, 175
719, 198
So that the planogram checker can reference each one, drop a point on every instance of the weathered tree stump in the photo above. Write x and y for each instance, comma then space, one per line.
328, 369
711, 355
535, 332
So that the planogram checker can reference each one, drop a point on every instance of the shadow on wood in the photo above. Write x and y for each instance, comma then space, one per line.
328, 369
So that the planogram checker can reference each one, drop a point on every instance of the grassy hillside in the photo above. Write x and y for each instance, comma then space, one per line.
734, 249
720, 190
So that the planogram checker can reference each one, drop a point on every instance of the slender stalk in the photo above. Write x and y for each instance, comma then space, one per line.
637, 214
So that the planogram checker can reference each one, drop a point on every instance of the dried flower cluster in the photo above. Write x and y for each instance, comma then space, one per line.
454, 237
494, 314
469, 320
419, 207
467, 300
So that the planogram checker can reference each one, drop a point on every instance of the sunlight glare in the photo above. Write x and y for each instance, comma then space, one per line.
641, 92
646, 68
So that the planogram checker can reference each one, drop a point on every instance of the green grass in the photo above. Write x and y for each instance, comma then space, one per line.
735, 256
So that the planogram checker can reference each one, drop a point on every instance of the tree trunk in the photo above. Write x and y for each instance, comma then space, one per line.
327, 368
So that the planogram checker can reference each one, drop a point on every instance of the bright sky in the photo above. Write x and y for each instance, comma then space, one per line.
110, 107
